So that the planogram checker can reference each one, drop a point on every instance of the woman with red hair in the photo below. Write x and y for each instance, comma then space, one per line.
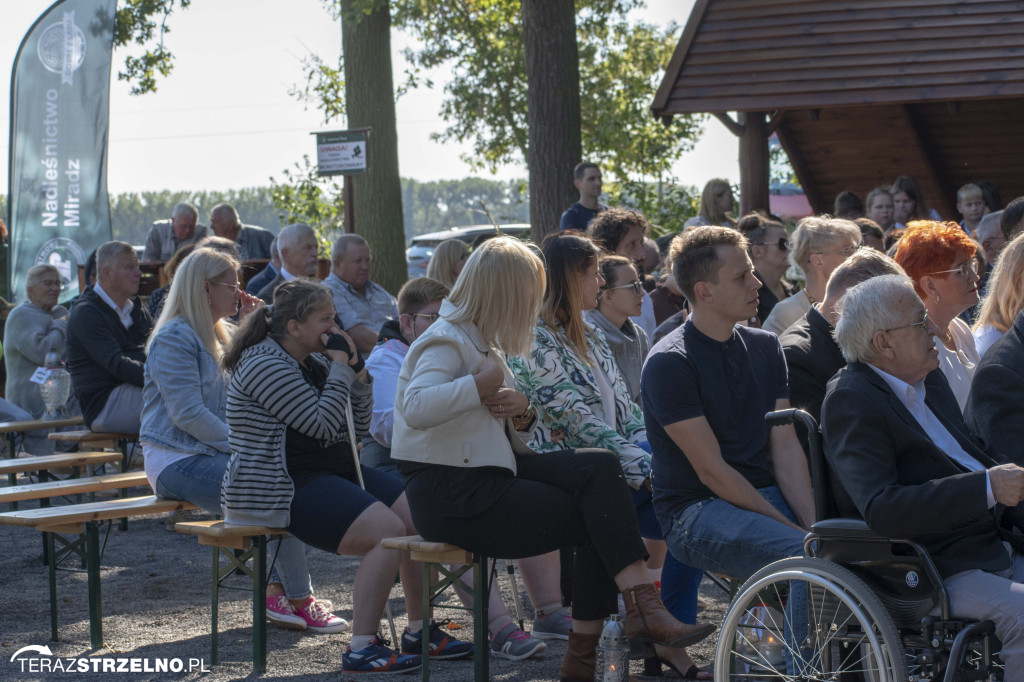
939, 257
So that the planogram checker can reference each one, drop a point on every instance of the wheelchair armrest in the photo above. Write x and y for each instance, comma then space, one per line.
845, 528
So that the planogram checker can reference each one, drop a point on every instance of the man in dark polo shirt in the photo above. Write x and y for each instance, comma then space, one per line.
731, 494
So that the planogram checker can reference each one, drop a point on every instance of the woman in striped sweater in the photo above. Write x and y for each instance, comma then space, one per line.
292, 464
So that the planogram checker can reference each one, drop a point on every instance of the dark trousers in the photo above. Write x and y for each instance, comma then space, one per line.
561, 499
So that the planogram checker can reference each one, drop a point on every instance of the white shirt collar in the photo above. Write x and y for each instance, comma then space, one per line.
287, 275
125, 313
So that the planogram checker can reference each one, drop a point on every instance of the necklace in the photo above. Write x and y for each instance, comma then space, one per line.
809, 297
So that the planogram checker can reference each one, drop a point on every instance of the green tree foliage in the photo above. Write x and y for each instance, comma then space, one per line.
305, 197
621, 62
144, 23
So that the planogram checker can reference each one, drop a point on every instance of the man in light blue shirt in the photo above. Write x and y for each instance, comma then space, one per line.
362, 305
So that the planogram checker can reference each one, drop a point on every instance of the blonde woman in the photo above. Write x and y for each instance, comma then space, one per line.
817, 246
715, 203
460, 439
1005, 297
447, 261
184, 429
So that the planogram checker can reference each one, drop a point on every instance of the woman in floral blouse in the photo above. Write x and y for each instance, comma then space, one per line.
581, 398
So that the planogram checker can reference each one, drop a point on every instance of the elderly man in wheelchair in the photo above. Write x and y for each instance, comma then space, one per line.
917, 589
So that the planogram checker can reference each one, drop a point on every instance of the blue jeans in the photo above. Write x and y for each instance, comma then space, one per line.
717, 536
680, 583
197, 480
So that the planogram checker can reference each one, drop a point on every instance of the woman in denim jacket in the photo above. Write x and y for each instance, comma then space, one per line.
184, 430
583, 401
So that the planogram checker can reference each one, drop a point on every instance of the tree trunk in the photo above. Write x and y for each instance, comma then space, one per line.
754, 171
553, 96
370, 103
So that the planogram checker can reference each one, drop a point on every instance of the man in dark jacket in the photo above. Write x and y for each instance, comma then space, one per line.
995, 405
894, 435
812, 355
106, 343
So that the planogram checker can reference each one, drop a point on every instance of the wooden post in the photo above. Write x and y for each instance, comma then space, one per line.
348, 196
754, 169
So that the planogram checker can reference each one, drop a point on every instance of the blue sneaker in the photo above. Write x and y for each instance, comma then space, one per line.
377, 658
442, 646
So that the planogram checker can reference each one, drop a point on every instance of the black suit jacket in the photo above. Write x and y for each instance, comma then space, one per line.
813, 358
267, 292
902, 484
995, 405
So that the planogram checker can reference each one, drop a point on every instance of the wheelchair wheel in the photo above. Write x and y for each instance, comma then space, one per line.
843, 634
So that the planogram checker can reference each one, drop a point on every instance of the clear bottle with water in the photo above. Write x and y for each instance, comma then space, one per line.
612, 652
56, 388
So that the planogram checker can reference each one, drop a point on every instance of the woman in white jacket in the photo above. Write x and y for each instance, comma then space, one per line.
460, 440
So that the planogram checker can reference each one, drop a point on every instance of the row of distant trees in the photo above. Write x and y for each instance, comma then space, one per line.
427, 206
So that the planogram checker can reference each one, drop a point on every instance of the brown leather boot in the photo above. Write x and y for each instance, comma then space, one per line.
648, 620
580, 659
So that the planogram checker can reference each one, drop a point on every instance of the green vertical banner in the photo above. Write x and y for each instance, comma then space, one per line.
60, 98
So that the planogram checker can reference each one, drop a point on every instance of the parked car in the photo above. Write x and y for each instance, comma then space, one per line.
421, 248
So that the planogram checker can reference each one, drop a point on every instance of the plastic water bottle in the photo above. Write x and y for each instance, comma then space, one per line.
56, 388
612, 652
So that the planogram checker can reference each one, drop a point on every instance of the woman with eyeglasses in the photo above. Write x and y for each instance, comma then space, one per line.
769, 250
818, 245
940, 258
582, 399
447, 261
184, 430
619, 299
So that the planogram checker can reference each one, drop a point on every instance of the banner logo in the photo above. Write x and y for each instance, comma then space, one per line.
65, 255
61, 48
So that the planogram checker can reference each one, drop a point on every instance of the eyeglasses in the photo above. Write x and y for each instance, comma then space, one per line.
965, 269
923, 324
433, 317
638, 287
782, 244
236, 286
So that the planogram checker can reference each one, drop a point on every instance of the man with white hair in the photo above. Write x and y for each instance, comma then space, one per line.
894, 436
167, 236
251, 241
298, 248
363, 306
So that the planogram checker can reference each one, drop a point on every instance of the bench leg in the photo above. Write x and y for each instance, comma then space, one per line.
92, 551
215, 592
481, 594
428, 590
259, 605
52, 566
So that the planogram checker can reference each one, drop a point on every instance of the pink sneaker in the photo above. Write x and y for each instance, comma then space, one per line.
280, 612
317, 616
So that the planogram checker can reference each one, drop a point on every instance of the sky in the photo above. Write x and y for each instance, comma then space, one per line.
224, 118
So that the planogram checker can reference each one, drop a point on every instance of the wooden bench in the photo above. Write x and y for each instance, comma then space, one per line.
434, 556
122, 441
239, 544
73, 486
85, 520
12, 430
74, 460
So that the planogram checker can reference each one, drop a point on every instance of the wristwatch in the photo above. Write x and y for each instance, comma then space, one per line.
523, 421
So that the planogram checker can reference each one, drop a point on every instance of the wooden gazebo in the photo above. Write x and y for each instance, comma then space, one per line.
860, 91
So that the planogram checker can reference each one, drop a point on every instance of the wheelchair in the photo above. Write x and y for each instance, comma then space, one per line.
870, 601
